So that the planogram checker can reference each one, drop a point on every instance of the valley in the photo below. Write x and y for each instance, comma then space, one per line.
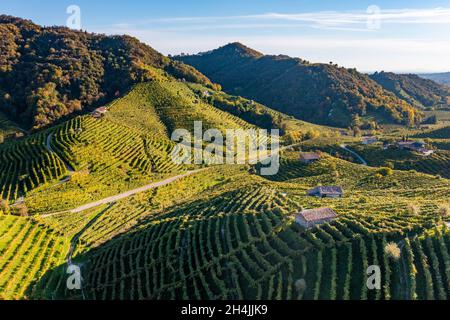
89, 180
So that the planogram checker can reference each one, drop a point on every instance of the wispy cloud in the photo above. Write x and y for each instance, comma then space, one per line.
319, 19
277, 33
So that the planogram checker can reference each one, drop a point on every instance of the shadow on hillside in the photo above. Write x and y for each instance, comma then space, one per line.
53, 284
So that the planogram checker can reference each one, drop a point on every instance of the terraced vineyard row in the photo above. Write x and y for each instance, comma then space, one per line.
27, 251
245, 245
431, 260
104, 140
436, 164
7, 128
442, 133
25, 164
178, 108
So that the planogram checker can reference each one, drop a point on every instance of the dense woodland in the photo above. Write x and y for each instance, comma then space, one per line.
48, 73
419, 92
320, 93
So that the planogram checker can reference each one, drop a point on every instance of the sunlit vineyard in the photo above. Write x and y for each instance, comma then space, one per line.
27, 250
129, 175
442, 133
245, 245
223, 232
25, 164
240, 241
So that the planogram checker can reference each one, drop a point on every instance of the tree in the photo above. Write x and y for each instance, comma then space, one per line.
4, 207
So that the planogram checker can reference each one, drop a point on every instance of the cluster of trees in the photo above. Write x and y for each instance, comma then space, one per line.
49, 73
320, 93
248, 110
419, 92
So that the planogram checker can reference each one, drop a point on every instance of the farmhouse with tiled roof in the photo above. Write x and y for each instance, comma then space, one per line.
313, 217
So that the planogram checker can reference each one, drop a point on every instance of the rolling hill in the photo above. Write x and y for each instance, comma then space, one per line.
47, 73
221, 233
443, 78
102, 193
419, 92
90, 158
318, 93
238, 240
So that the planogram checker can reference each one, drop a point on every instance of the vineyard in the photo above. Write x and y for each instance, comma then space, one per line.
88, 181
26, 164
27, 250
436, 164
244, 245
84, 158
442, 133
224, 232
238, 240
106, 159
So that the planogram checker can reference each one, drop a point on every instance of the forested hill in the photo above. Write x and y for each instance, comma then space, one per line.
49, 72
320, 93
442, 78
420, 92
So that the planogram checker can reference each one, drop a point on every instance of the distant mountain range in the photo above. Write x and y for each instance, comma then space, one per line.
48, 73
419, 92
442, 78
321, 93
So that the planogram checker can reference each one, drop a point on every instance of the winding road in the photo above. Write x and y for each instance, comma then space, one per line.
361, 159
126, 194
133, 192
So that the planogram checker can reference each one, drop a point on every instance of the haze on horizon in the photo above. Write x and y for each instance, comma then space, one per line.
398, 36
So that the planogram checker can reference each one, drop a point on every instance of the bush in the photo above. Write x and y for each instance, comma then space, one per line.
392, 250
385, 171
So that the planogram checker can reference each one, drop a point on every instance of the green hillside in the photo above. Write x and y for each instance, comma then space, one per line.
441, 133
97, 189
293, 130
443, 78
85, 158
318, 93
221, 233
419, 92
48, 73
234, 237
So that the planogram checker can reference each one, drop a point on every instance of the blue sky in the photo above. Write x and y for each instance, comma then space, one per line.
401, 36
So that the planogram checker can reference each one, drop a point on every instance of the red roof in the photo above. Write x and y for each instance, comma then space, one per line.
318, 214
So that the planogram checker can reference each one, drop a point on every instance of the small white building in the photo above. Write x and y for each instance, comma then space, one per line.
99, 112
326, 192
369, 140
